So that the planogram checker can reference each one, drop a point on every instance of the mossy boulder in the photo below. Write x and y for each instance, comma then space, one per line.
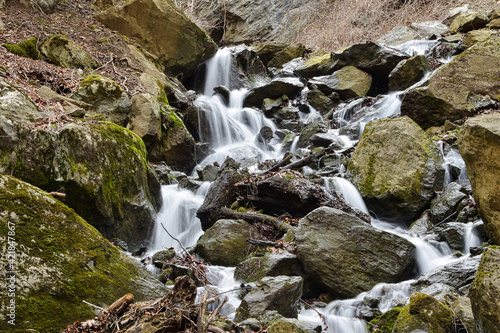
279, 293
277, 54
396, 168
315, 66
176, 146
163, 30
346, 255
59, 261
106, 97
408, 72
60, 51
465, 22
255, 268
27, 48
451, 90
385, 322
479, 145
485, 292
145, 118
102, 169
348, 82
424, 313
225, 243
15, 105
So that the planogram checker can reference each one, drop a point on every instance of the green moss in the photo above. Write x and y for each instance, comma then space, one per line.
385, 322
27, 48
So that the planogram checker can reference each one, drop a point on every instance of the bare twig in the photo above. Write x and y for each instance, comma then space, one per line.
178, 241
212, 317
94, 306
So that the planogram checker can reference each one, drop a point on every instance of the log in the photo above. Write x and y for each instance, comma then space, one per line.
262, 243
309, 159
254, 218
278, 165
117, 307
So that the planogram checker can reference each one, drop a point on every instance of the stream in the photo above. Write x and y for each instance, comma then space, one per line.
233, 130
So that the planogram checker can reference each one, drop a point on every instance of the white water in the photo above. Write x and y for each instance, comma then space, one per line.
452, 159
233, 130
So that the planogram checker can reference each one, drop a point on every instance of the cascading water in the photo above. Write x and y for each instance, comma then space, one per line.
232, 131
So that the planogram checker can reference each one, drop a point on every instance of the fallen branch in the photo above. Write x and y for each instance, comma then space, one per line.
178, 241
263, 243
278, 165
94, 306
253, 218
201, 312
214, 313
309, 159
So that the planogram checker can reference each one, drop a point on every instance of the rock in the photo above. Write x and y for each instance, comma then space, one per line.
462, 308
26, 48
306, 133
455, 12
15, 105
494, 24
348, 82
255, 268
145, 118
447, 202
291, 325
370, 57
47, 6
485, 291
319, 101
83, 162
316, 66
280, 293
476, 36
408, 72
468, 21
176, 146
479, 144
59, 260
449, 95
347, 256
60, 51
429, 28
106, 97
249, 21
385, 322
424, 313
275, 89
160, 258
396, 183
225, 242
209, 173
163, 30
402, 34
222, 193
326, 140
277, 54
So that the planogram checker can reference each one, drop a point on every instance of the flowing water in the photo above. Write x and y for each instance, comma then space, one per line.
233, 131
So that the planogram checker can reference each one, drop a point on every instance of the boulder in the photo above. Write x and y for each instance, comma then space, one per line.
163, 30
251, 20
53, 260
279, 293
465, 22
424, 314
422, 30
291, 325
347, 256
274, 264
145, 118
106, 97
277, 54
396, 168
225, 242
306, 134
348, 82
15, 105
60, 51
452, 90
408, 72
290, 87
47, 6
316, 66
100, 167
176, 146
319, 101
446, 203
26, 48
485, 292
476, 36
479, 145
463, 309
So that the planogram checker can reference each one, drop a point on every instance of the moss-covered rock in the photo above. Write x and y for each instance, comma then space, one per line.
316, 66
255, 268
346, 255
15, 105
396, 168
106, 97
451, 90
55, 260
145, 118
277, 54
348, 82
225, 243
27, 48
485, 292
468, 21
102, 169
408, 72
163, 30
385, 322
479, 144
60, 51
424, 313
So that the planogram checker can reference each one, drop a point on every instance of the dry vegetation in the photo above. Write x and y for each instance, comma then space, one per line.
335, 24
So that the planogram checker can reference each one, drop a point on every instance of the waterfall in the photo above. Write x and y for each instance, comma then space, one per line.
349, 192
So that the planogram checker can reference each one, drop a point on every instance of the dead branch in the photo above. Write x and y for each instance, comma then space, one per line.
201, 312
212, 317
277, 166
178, 241
263, 243
94, 306
254, 218
117, 307
309, 159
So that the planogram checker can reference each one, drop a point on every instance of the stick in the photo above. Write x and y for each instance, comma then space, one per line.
253, 218
212, 317
264, 243
178, 241
201, 312
214, 329
278, 165
302, 162
94, 306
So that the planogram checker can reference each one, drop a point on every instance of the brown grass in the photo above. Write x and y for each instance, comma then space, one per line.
333, 25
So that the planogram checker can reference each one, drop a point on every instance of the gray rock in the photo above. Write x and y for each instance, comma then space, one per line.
465, 22
446, 203
408, 72
348, 82
275, 89
280, 293
145, 118
47, 6
15, 105
255, 268
347, 256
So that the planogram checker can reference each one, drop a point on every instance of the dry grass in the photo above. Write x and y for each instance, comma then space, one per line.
332, 25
